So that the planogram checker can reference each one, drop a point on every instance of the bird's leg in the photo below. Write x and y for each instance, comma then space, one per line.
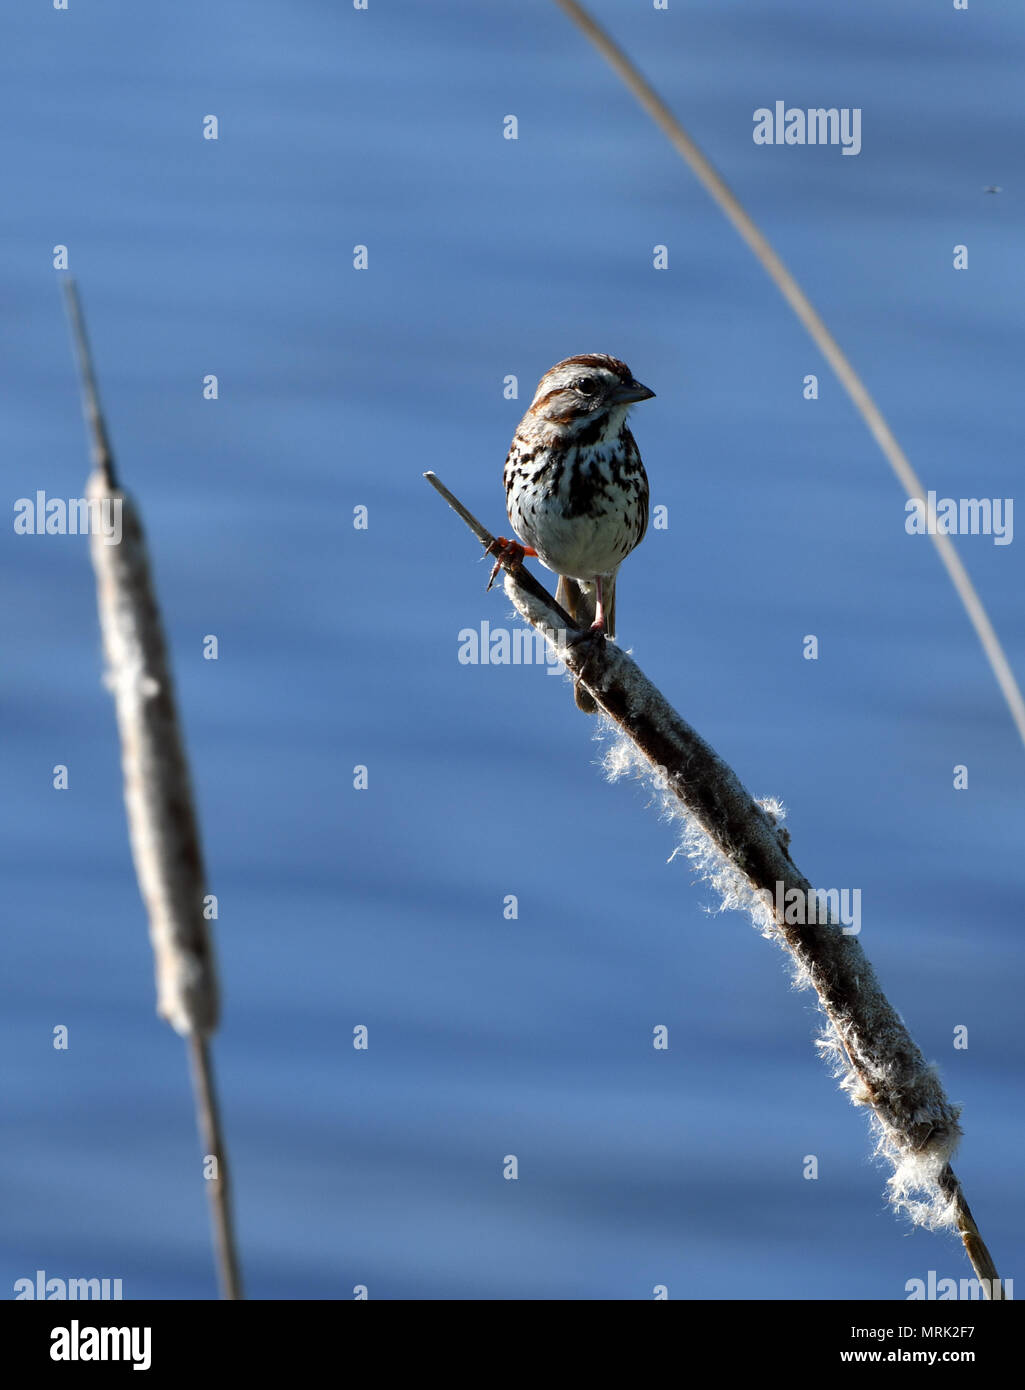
507, 553
597, 628
599, 609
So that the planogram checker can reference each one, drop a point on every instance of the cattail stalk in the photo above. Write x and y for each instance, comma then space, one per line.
741, 847
162, 825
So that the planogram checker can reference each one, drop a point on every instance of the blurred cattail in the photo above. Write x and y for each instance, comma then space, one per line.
162, 824
158, 795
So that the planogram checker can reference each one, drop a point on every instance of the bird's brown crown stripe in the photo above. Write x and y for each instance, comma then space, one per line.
592, 359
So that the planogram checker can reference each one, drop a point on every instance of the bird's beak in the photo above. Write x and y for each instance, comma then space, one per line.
627, 395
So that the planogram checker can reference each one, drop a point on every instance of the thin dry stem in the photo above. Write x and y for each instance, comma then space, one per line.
208, 1120
820, 334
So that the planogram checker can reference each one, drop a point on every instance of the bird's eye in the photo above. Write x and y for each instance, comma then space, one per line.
586, 384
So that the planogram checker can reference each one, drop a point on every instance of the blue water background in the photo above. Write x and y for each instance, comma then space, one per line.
338, 647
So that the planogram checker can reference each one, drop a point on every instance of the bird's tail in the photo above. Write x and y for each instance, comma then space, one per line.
580, 602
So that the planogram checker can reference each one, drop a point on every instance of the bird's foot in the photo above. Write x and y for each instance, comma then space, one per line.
591, 634
509, 555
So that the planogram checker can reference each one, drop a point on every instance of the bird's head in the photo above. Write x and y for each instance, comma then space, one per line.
581, 390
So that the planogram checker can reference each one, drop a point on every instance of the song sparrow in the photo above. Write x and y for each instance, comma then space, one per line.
575, 487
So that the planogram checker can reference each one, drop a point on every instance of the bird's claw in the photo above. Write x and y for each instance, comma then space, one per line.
510, 555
